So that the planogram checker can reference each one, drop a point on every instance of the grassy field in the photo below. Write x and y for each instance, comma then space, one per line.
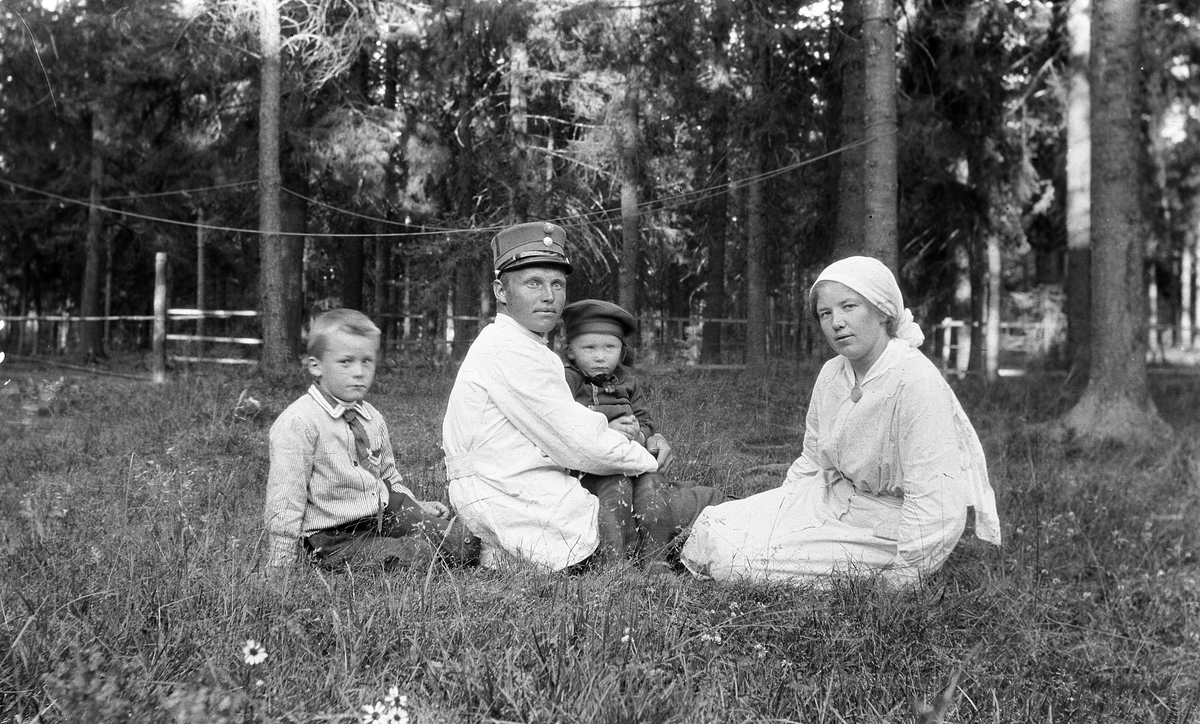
131, 534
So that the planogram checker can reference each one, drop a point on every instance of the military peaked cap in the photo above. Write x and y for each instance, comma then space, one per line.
538, 243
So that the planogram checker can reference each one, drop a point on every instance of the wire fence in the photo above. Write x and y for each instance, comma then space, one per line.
233, 337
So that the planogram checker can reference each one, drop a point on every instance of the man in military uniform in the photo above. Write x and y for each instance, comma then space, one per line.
512, 429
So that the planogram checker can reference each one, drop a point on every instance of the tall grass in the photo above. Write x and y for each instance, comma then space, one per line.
131, 534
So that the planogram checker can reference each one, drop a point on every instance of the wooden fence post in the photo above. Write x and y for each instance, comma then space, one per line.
201, 280
159, 356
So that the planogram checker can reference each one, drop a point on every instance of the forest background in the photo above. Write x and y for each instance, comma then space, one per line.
707, 159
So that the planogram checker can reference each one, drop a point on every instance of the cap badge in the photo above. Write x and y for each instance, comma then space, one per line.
548, 241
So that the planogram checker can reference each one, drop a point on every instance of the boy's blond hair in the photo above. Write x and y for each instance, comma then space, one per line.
350, 321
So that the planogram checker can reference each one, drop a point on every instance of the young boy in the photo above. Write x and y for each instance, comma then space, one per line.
637, 515
333, 486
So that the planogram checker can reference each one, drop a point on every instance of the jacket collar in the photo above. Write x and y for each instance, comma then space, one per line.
506, 321
334, 406
893, 353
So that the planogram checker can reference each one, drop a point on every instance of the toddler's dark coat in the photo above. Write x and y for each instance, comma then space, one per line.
614, 394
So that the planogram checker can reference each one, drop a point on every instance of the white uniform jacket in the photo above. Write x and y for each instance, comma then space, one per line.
511, 433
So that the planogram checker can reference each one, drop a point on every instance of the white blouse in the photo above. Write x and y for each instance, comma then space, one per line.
882, 484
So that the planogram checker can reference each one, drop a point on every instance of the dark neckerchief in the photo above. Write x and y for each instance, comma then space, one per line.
606, 380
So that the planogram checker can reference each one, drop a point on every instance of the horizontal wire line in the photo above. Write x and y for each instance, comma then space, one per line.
573, 221
136, 197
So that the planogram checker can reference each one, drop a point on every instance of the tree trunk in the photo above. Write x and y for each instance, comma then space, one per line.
627, 292
353, 259
1187, 297
383, 264
391, 81
715, 220
406, 298
851, 205
466, 303
353, 246
756, 243
1116, 403
1079, 170
977, 274
879, 114
92, 337
1153, 333
991, 367
713, 214
518, 119
384, 246
485, 291
201, 279
277, 346
108, 289
294, 221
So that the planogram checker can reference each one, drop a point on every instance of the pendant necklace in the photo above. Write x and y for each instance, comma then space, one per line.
855, 391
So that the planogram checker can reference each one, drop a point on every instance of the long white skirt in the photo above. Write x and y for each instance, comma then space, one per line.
797, 533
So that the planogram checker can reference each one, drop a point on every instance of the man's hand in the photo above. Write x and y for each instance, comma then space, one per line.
661, 449
435, 508
627, 425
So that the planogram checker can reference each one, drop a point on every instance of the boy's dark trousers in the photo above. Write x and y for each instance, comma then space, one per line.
641, 516
406, 536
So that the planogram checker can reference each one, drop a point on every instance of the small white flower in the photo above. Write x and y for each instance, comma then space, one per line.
394, 698
374, 712
625, 636
254, 652
395, 715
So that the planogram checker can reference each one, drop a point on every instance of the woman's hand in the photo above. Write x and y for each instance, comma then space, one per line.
627, 425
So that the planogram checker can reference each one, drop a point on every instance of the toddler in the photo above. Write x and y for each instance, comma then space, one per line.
638, 516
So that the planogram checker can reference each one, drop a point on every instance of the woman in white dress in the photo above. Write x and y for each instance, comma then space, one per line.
890, 462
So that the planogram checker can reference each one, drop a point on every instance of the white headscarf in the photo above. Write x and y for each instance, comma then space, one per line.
874, 281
